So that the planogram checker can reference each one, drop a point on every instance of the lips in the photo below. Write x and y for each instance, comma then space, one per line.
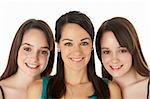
32, 66
77, 59
116, 67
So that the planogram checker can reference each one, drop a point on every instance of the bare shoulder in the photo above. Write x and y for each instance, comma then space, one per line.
35, 90
115, 91
3, 82
0, 83
114, 86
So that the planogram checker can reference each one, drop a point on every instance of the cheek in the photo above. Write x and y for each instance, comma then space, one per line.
64, 56
127, 58
65, 52
105, 59
21, 56
44, 60
86, 51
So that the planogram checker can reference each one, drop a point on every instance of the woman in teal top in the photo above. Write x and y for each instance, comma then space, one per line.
75, 77
31, 57
45, 83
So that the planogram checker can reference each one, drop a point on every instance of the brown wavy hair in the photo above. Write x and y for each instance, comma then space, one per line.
12, 65
126, 35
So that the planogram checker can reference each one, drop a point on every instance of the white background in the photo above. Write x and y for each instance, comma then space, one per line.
14, 13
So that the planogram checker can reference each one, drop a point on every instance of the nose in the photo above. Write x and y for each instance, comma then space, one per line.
115, 58
33, 57
77, 50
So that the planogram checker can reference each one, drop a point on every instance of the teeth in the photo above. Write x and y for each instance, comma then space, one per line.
31, 66
76, 59
116, 67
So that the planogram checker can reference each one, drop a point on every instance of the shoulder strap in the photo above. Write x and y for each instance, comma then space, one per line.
2, 92
148, 88
44, 86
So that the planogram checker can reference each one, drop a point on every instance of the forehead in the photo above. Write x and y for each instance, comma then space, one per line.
74, 31
35, 36
109, 39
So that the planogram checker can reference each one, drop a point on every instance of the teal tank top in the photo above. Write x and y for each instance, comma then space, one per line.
45, 83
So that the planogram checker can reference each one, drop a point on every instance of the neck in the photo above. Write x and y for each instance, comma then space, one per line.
76, 77
128, 79
23, 80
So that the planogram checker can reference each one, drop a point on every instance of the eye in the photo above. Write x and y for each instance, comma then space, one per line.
105, 52
124, 50
45, 52
27, 49
68, 44
84, 43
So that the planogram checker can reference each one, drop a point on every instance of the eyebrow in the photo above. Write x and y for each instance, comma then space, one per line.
45, 47
27, 44
108, 48
67, 39
104, 48
87, 38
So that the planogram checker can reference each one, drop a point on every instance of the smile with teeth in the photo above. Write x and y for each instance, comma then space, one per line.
77, 59
32, 66
116, 67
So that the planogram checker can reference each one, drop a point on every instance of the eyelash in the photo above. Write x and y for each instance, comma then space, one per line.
120, 51
123, 50
27, 49
82, 44
68, 44
106, 52
42, 52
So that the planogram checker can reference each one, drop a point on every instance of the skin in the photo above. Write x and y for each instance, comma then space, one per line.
117, 61
1, 95
34, 53
75, 46
32, 59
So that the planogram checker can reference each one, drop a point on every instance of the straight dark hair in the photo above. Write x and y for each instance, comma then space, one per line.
12, 65
126, 35
56, 86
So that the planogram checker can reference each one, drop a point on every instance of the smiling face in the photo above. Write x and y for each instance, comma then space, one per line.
75, 46
33, 53
116, 59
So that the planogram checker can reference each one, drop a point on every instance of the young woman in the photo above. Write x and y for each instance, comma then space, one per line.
76, 77
119, 51
31, 57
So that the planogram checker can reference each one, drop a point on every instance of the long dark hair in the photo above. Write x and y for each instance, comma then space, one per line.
12, 65
56, 86
126, 35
